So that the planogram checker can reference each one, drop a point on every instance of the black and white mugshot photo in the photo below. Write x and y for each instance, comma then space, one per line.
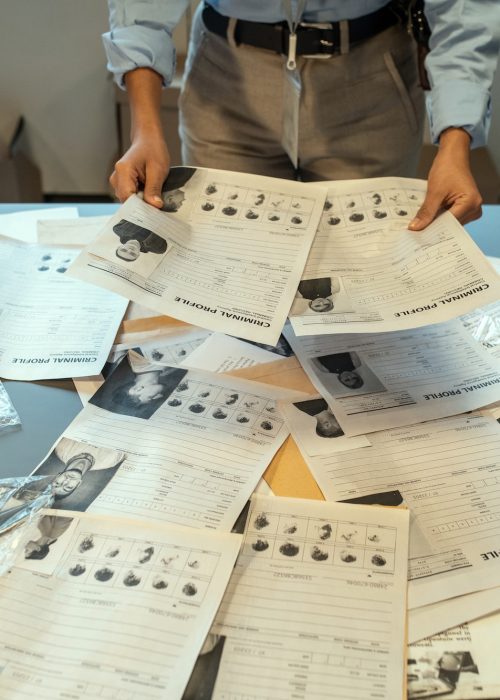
345, 374
137, 394
321, 296
79, 472
326, 424
131, 245
177, 190
50, 528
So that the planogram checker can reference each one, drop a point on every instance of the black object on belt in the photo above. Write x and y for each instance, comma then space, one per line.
311, 40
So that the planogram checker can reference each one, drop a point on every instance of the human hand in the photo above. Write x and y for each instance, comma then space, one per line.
146, 162
450, 184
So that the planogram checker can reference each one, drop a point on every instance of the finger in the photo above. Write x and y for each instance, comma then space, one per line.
124, 182
155, 177
426, 213
466, 211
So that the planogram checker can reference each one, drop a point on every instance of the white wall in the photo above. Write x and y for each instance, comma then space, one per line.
53, 71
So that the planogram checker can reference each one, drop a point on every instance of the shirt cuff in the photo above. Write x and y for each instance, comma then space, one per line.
139, 47
459, 103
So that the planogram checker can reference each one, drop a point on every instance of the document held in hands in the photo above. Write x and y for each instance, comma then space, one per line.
367, 272
226, 253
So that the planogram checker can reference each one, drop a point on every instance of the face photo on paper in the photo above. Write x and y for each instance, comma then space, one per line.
322, 295
178, 191
137, 394
48, 539
78, 472
346, 374
132, 246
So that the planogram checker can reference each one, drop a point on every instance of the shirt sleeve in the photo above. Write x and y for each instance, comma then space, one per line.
140, 36
465, 45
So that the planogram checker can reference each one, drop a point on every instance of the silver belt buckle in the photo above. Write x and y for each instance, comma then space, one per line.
323, 42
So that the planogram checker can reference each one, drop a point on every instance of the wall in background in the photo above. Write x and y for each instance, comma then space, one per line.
54, 74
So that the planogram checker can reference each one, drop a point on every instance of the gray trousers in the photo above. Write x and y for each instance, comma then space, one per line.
361, 113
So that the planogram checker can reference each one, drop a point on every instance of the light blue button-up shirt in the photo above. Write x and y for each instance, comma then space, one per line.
465, 45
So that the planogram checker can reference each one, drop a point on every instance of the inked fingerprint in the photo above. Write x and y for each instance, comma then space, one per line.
195, 564
46, 257
260, 521
379, 214
327, 205
351, 204
182, 386
189, 589
232, 398
208, 206
296, 219
266, 425
211, 189
219, 413
348, 536
377, 199
233, 196
290, 530
174, 402
181, 353
61, 269
251, 215
131, 579
318, 554
325, 531
86, 544
273, 217
289, 549
43, 268
77, 570
374, 538
112, 552
146, 555
159, 583
334, 220
204, 394
229, 211
260, 545
167, 561
356, 217
240, 418
401, 212
259, 199
379, 560
197, 408
157, 355
348, 557
104, 574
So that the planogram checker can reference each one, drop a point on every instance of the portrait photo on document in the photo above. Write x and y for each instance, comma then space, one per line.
346, 374
137, 394
324, 425
132, 246
322, 295
47, 541
179, 190
79, 472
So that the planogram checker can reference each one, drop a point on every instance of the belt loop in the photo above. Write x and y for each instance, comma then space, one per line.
230, 32
344, 36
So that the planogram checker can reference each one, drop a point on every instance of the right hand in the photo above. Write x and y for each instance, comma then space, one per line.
146, 162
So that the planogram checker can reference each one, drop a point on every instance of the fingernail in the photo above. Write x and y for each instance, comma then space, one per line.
415, 223
158, 200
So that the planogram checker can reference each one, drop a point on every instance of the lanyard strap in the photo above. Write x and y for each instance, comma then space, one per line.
293, 20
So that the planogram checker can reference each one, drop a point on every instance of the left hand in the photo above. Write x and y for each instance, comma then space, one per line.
450, 184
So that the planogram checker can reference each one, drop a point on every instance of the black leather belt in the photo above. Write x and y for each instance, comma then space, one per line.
312, 40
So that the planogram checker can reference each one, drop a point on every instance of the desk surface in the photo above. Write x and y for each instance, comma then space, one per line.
47, 408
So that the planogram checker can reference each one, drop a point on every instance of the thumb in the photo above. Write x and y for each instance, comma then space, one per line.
427, 212
152, 188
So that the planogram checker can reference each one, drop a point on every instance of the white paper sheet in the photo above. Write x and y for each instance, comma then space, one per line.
228, 257
461, 664
366, 272
191, 455
22, 225
51, 326
315, 428
326, 579
223, 353
115, 609
438, 617
379, 381
70, 232
447, 473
